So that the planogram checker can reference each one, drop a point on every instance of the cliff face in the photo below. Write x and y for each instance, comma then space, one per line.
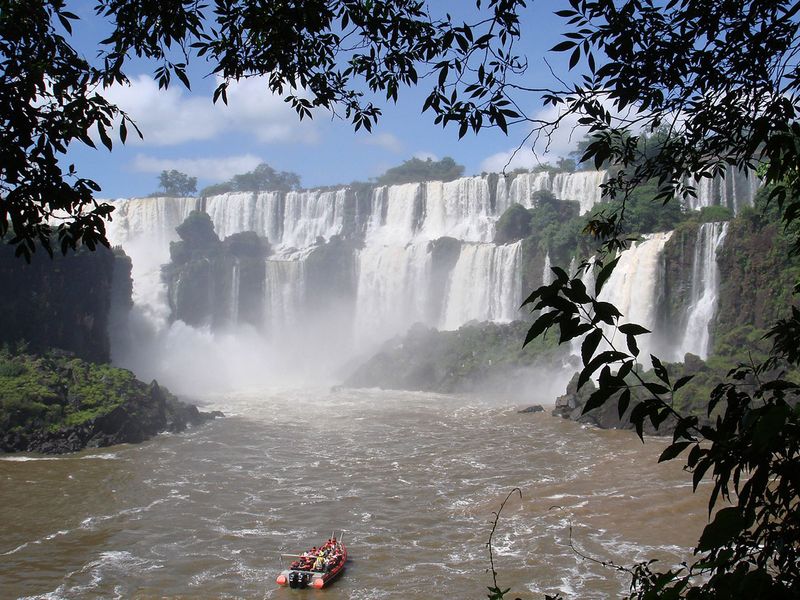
757, 277
65, 302
679, 253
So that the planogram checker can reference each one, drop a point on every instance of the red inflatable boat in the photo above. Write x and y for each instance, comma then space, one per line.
315, 568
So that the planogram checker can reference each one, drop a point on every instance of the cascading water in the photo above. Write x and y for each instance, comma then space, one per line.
312, 214
734, 191
235, 282
460, 209
393, 282
581, 186
484, 285
145, 227
285, 294
247, 211
705, 283
634, 288
547, 274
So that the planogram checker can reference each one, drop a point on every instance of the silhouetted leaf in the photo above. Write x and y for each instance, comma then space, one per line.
673, 450
727, 524
604, 274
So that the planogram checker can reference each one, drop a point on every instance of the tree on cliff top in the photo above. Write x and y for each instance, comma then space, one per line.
415, 169
177, 184
318, 54
261, 179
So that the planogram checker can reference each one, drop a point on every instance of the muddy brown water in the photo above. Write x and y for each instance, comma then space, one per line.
411, 478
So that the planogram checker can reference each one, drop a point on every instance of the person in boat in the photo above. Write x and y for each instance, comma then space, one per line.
319, 564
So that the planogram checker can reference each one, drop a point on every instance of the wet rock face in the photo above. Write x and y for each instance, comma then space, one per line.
132, 423
65, 302
213, 282
570, 406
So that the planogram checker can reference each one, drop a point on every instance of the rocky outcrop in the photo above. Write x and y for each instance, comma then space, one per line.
570, 406
213, 282
58, 403
476, 357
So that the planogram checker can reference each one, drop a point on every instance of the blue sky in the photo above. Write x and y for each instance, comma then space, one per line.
184, 130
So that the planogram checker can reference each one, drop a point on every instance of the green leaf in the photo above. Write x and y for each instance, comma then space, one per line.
563, 46
656, 388
659, 369
624, 401
104, 136
770, 425
682, 381
598, 398
607, 357
632, 347
539, 326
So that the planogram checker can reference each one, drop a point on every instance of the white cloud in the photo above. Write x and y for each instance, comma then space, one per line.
543, 149
172, 116
423, 155
214, 169
387, 141
539, 150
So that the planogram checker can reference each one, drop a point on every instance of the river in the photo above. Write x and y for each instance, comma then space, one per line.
411, 478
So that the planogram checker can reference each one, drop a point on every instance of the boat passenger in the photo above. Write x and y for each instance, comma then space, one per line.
319, 564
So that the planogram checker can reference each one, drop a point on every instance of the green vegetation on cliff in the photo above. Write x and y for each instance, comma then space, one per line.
59, 403
416, 169
32, 390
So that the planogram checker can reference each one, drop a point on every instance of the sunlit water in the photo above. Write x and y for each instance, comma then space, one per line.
413, 480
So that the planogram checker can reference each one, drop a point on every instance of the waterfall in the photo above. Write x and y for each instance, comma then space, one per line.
235, 282
635, 287
247, 211
155, 218
734, 191
485, 285
392, 293
581, 186
388, 234
284, 290
394, 214
460, 209
145, 227
547, 274
705, 283
312, 214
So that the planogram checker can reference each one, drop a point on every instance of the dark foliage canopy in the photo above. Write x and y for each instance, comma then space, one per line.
714, 84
